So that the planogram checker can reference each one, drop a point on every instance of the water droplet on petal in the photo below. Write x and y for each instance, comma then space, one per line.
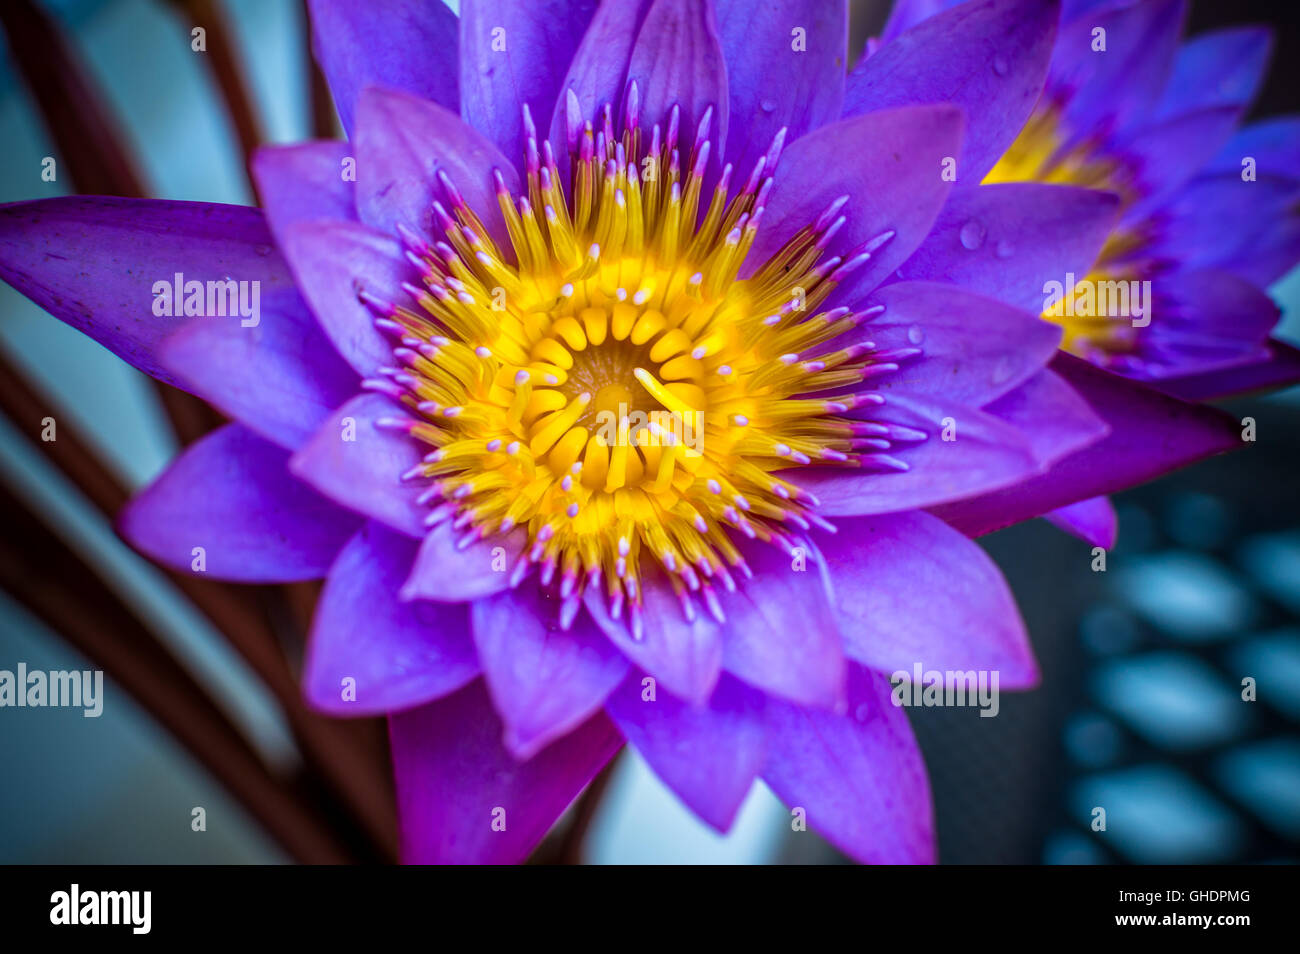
1002, 370
915, 334
1000, 65
973, 234
1003, 249
767, 106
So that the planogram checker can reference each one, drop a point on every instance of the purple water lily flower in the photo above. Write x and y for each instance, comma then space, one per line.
1209, 210
567, 387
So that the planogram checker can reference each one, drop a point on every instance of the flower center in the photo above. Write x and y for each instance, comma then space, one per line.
608, 383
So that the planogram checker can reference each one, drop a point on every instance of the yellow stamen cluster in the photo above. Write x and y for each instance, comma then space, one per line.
607, 382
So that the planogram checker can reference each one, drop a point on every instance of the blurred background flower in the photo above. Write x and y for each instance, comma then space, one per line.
1142, 664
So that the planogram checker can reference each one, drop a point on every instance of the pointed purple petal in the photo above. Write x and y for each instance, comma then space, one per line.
1011, 440
1008, 240
333, 262
785, 596
359, 465
986, 454
685, 656
403, 44
1222, 218
975, 349
1054, 418
93, 262
1209, 320
544, 680
909, 589
989, 58
281, 378
463, 799
708, 754
305, 182
515, 53
598, 73
777, 78
677, 61
1280, 369
1111, 91
445, 571
858, 778
1151, 435
397, 655
231, 494
1273, 143
1092, 521
1270, 254
402, 143
1165, 156
903, 147
1217, 68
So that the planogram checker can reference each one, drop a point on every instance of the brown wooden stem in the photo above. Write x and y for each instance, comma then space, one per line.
350, 754
69, 596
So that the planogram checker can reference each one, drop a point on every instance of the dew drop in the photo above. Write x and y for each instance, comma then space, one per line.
1002, 371
1000, 65
973, 234
915, 334
767, 106
1003, 249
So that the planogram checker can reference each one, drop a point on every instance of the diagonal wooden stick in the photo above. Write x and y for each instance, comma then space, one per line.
345, 752
352, 756
221, 54
66, 593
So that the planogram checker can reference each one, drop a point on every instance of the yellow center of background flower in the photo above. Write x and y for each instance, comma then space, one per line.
1039, 154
